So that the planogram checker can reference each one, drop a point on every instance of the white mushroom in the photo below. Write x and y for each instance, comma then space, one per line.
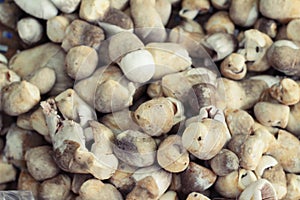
93, 10
261, 189
56, 28
30, 30
66, 6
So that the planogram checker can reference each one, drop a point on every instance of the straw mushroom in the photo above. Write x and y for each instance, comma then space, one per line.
43, 9
171, 155
287, 91
30, 30
93, 10
9, 14
261, 189
244, 17
164, 9
292, 29
8, 172
93, 35
267, 26
293, 187
270, 114
197, 178
197, 196
19, 97
7, 77
27, 182
57, 188
224, 162
119, 4
234, 67
93, 189
293, 123
154, 90
44, 78
135, 148
145, 188
66, 6
221, 4
239, 121
38, 122
281, 10
36, 161
56, 28
148, 25
219, 22
191, 8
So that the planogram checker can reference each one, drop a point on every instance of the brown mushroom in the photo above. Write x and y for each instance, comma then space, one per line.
224, 162
244, 17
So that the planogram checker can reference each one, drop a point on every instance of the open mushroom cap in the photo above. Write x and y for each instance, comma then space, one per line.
261, 189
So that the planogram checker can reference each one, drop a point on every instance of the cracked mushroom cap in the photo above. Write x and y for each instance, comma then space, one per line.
204, 139
94, 189
171, 155
135, 148
260, 190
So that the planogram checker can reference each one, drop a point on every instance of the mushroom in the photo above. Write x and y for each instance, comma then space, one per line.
72, 107
7, 76
234, 66
36, 160
78, 180
267, 26
219, 22
222, 44
8, 172
93, 35
191, 8
148, 25
30, 30
286, 151
43, 78
43, 9
171, 155
269, 169
197, 196
66, 6
116, 21
205, 139
119, 4
81, 62
224, 162
27, 183
221, 4
93, 10
9, 14
260, 189
191, 26
145, 188
155, 178
57, 188
287, 91
281, 10
283, 56
135, 148
271, 114
197, 178
293, 187
93, 189
255, 49
154, 90
46, 55
243, 94
122, 178
56, 28
19, 97
244, 17
38, 122
231, 185
238, 121
164, 9
169, 195
168, 58
157, 116
292, 29
293, 122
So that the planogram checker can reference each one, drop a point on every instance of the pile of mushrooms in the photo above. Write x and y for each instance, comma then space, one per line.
150, 99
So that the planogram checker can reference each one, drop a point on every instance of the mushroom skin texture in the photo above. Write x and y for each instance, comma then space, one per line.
9, 14
36, 160
199, 138
43, 9
261, 189
27, 182
220, 22
197, 178
292, 29
44, 78
135, 148
66, 6
293, 189
145, 188
164, 9
93, 10
287, 91
238, 121
30, 30
224, 162
56, 28
234, 67
267, 26
197, 196
19, 97
171, 155
94, 189
7, 77
293, 123
270, 114
8, 172
191, 8
221, 4
281, 10
58, 188
244, 17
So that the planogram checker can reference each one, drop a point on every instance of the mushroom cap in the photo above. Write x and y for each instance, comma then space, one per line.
244, 17
234, 66
224, 162
204, 139
219, 22
171, 155
190, 8
56, 28
30, 30
261, 189
66, 6
44, 79
93, 10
